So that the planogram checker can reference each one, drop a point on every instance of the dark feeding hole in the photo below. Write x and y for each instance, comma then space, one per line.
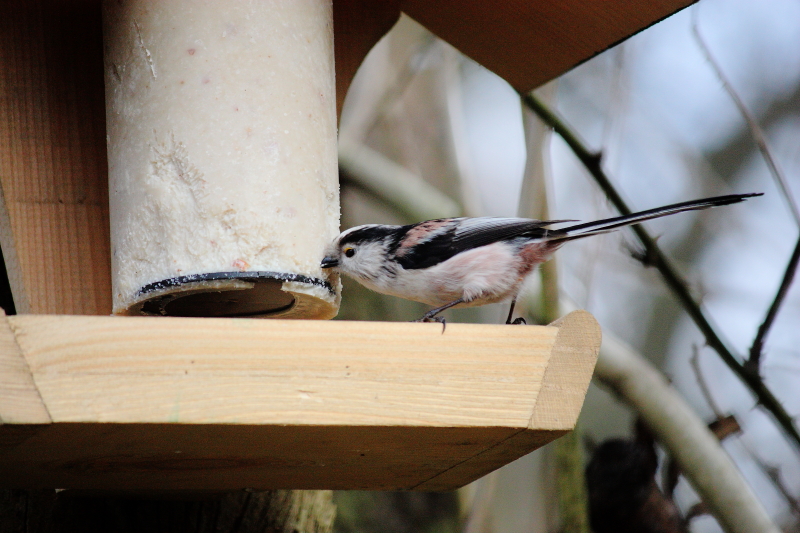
265, 297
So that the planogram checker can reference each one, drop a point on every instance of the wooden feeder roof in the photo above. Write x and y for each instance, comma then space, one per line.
526, 42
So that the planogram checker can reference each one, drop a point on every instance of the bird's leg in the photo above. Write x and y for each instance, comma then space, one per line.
430, 316
511, 311
517, 321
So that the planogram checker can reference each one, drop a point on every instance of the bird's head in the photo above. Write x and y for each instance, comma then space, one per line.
361, 252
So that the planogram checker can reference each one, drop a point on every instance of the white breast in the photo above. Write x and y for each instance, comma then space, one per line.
484, 275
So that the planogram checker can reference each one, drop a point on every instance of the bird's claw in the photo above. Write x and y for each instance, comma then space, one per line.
429, 319
519, 321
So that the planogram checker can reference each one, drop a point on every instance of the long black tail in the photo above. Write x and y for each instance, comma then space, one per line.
579, 231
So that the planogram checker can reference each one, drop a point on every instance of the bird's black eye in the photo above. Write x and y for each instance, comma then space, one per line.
350, 252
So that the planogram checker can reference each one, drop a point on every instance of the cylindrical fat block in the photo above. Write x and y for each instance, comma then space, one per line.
222, 156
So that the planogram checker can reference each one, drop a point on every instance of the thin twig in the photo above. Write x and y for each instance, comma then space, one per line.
772, 472
761, 141
377, 175
753, 363
752, 124
722, 427
704, 389
674, 281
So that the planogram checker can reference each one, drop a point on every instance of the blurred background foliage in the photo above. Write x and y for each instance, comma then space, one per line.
668, 132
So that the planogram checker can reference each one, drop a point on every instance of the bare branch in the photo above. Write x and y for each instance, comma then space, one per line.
478, 519
758, 134
761, 141
382, 177
774, 475
462, 153
698, 452
534, 201
753, 363
570, 479
416, 55
725, 426
674, 281
695, 362
722, 427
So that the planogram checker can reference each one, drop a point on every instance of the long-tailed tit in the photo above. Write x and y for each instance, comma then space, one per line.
465, 262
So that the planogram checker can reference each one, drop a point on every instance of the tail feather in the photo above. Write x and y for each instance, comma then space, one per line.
597, 227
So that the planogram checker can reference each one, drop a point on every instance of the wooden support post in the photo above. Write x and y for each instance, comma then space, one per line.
54, 206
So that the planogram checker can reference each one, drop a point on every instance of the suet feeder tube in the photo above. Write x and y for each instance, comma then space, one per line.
221, 121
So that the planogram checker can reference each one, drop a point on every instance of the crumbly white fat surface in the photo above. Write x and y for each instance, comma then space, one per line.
221, 134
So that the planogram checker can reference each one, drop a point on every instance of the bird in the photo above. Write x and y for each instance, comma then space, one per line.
469, 261
623, 495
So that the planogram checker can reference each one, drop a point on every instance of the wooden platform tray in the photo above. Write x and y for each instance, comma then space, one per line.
130, 403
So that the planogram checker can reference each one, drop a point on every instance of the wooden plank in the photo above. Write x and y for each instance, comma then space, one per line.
156, 370
526, 43
175, 403
233, 457
530, 43
568, 373
564, 383
54, 211
357, 26
20, 401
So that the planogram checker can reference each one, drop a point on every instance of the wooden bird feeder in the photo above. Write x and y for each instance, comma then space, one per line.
182, 403
155, 403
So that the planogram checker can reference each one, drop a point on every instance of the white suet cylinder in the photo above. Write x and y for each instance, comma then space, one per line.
222, 156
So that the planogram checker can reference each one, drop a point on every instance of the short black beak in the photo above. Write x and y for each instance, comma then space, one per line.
330, 262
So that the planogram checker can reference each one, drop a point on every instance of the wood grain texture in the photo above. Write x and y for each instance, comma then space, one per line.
290, 372
54, 215
564, 383
530, 43
568, 373
357, 26
211, 404
20, 401
526, 43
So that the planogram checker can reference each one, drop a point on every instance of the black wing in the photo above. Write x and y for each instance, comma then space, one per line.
469, 233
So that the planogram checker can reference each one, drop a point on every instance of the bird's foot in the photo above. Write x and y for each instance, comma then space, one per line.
519, 321
426, 318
